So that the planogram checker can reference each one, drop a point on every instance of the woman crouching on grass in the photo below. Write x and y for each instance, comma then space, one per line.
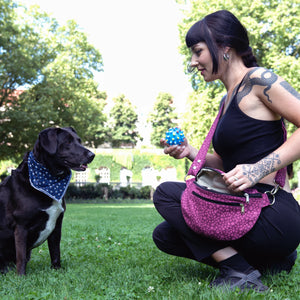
249, 146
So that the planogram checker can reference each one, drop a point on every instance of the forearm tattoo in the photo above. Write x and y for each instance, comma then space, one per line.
285, 85
266, 80
267, 165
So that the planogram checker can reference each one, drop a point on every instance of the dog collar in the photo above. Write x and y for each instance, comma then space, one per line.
41, 179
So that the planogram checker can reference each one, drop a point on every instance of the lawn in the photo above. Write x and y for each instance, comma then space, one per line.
108, 253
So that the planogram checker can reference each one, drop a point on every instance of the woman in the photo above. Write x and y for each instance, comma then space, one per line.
249, 146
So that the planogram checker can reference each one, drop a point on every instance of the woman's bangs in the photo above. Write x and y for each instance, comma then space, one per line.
195, 34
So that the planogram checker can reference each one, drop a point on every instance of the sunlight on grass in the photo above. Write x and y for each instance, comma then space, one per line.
102, 206
109, 254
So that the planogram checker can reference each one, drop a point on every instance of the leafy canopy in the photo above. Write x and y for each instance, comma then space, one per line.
162, 117
54, 65
124, 119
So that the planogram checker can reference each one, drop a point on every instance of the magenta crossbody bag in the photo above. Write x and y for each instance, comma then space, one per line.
211, 210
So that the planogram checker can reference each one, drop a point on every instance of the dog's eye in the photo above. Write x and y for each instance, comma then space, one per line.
69, 141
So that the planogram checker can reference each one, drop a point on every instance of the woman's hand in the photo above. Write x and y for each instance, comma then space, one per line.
242, 177
176, 151
247, 175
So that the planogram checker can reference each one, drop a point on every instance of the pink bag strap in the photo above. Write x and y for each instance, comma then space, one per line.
199, 160
281, 174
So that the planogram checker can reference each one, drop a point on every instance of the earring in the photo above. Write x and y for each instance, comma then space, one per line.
226, 56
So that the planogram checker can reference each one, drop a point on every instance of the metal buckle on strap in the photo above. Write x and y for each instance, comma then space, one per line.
188, 176
273, 192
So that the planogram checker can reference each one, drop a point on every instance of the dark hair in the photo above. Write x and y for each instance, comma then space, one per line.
222, 29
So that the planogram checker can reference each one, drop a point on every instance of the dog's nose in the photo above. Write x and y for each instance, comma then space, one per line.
91, 156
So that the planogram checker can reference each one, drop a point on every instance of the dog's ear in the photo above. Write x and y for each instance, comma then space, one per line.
70, 129
48, 140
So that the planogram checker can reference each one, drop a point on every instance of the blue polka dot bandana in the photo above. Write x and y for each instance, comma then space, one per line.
41, 179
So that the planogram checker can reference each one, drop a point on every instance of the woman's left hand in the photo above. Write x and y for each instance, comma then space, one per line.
242, 177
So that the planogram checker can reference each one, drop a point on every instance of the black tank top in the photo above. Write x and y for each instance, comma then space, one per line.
240, 139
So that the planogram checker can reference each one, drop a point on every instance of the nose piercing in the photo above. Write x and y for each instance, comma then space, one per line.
191, 69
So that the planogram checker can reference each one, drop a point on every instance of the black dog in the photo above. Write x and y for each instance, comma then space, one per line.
31, 199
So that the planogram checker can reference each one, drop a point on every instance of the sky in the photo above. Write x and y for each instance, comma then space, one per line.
138, 40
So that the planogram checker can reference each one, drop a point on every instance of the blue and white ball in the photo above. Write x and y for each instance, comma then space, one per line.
174, 136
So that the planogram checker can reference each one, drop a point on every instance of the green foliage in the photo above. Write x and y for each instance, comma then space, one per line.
202, 108
55, 64
273, 29
139, 160
108, 253
123, 123
22, 51
123, 157
105, 193
3, 175
4, 165
86, 191
162, 117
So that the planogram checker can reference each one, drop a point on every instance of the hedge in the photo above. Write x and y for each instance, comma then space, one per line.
106, 192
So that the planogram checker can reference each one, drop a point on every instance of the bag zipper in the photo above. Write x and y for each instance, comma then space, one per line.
245, 195
221, 203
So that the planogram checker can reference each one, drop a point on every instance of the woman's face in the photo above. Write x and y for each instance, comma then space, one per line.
202, 60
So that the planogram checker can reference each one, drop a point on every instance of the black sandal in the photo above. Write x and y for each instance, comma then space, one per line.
232, 279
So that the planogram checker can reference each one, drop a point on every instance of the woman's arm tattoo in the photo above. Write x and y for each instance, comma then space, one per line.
262, 168
291, 90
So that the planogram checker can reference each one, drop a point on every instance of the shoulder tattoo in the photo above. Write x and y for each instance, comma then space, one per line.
267, 165
266, 79
287, 87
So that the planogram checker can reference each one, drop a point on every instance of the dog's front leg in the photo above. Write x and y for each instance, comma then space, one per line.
21, 249
54, 243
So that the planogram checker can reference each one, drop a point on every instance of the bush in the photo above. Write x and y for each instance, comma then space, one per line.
87, 191
146, 192
106, 192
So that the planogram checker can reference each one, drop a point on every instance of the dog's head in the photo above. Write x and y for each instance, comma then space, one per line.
60, 149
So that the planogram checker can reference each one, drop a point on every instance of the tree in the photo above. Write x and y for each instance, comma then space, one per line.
22, 51
162, 118
55, 64
273, 29
123, 123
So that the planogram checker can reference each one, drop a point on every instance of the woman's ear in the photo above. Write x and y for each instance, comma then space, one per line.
226, 53
227, 49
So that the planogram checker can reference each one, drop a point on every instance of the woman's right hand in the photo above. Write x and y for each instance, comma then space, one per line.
176, 151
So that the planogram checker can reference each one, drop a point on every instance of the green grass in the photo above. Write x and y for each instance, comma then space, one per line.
108, 253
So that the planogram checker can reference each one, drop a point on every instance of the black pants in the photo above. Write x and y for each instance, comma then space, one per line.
275, 235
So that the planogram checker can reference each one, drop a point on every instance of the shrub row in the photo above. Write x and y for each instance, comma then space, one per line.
105, 192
